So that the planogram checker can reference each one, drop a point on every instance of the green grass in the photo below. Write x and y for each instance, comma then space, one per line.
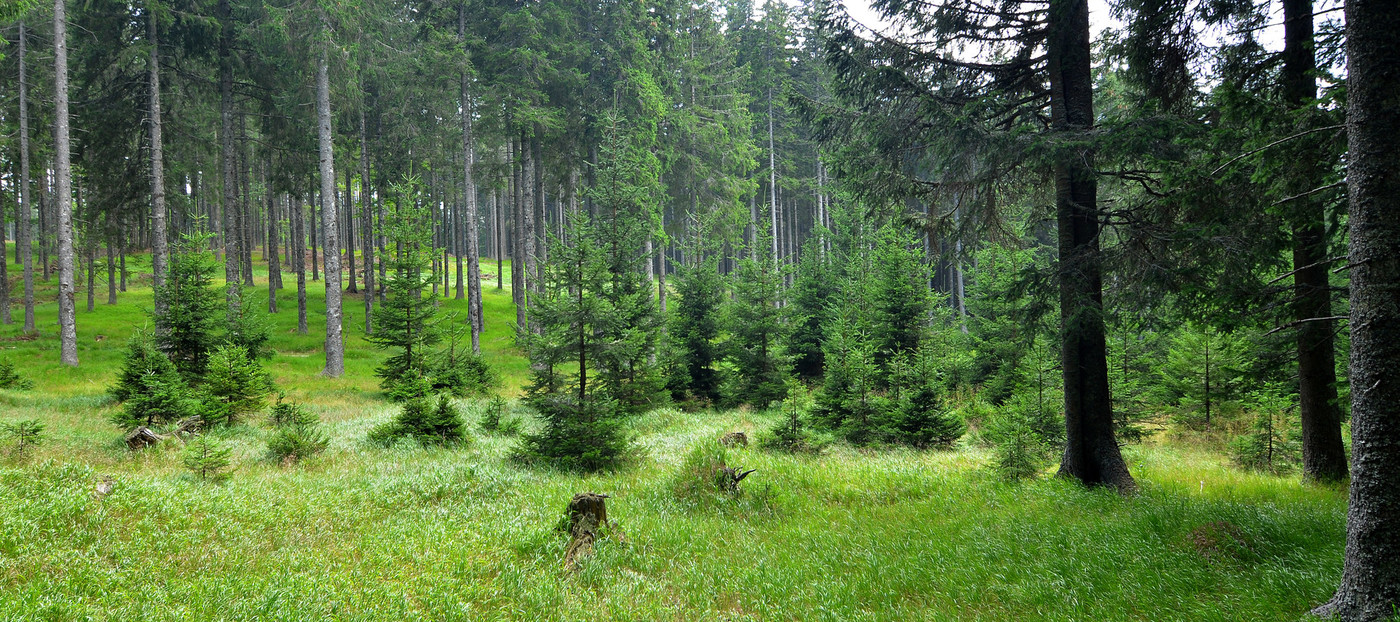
362, 533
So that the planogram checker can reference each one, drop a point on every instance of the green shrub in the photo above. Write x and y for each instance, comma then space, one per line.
1020, 446
10, 379
285, 414
160, 398
464, 375
923, 421
296, 442
791, 433
423, 421
207, 458
1272, 442
24, 434
142, 360
407, 387
584, 435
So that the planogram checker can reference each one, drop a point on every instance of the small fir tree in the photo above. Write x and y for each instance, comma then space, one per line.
10, 379
296, 443
207, 458
161, 399
812, 294
237, 384
694, 330
187, 330
900, 298
757, 329
23, 435
142, 359
289, 414
425, 421
1272, 442
924, 421
404, 322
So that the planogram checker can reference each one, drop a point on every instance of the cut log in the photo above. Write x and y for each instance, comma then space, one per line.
189, 427
734, 439
587, 511
142, 437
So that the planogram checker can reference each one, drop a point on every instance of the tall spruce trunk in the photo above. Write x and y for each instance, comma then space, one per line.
335, 347
1324, 456
472, 249
366, 226
159, 249
63, 182
772, 181
226, 178
274, 265
1370, 584
1091, 451
24, 227
349, 223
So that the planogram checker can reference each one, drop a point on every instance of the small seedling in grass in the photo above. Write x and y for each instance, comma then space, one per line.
24, 434
207, 458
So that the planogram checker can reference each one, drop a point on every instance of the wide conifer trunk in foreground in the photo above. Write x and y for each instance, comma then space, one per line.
1370, 585
335, 347
1091, 451
63, 182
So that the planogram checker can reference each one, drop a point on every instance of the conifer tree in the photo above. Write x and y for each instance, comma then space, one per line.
757, 327
405, 320
694, 331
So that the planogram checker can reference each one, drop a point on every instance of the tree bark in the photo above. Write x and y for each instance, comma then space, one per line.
1370, 584
1091, 451
349, 222
472, 250
299, 261
1324, 456
159, 249
366, 225
335, 348
274, 265
226, 179
24, 226
63, 172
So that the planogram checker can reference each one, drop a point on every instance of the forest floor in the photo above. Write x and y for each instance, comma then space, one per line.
406, 533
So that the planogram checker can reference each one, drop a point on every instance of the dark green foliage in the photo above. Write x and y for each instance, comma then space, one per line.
583, 435
791, 433
249, 329
1020, 454
289, 414
296, 443
23, 435
142, 359
10, 379
237, 384
187, 330
207, 458
813, 291
899, 297
424, 421
757, 329
404, 321
923, 419
1201, 375
1024, 437
693, 333
1272, 442
461, 373
162, 399
850, 403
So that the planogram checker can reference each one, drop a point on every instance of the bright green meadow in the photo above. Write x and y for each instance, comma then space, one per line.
411, 533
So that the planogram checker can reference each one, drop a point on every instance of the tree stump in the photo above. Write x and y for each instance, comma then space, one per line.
728, 478
141, 438
587, 511
104, 487
734, 439
189, 427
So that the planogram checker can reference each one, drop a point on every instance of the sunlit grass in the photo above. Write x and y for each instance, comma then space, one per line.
363, 533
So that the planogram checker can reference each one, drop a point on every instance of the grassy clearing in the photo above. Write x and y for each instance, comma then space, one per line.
406, 533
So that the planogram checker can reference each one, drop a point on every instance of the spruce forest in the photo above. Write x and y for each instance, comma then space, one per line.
700, 310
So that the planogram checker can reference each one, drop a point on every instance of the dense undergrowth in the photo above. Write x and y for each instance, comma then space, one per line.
415, 532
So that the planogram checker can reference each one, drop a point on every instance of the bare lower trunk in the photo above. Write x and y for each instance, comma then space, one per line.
335, 348
1370, 584
159, 249
274, 265
23, 225
366, 225
63, 173
472, 250
1091, 451
226, 204
1324, 456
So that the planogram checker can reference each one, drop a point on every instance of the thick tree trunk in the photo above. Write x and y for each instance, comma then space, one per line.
349, 222
315, 266
274, 264
518, 236
528, 233
1324, 456
1370, 585
63, 173
159, 249
1091, 451
24, 225
245, 206
335, 347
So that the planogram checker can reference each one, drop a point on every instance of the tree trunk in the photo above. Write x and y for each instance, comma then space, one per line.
24, 225
159, 238
472, 248
63, 172
518, 237
111, 262
1370, 585
1324, 457
335, 348
315, 266
349, 222
226, 179
245, 206
1091, 451
274, 265
366, 225
299, 261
